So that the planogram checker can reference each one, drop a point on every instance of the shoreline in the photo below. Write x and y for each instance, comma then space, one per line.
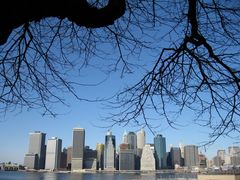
112, 171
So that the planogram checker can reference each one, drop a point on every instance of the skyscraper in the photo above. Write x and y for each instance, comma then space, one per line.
124, 138
190, 156
141, 139
147, 159
63, 162
160, 151
175, 154
126, 157
181, 146
109, 151
69, 157
78, 149
53, 155
100, 156
132, 141
36, 149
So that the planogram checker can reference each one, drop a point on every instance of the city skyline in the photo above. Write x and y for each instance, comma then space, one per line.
67, 142
151, 157
17, 156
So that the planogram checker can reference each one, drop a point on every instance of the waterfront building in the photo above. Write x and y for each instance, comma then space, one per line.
141, 139
100, 156
78, 149
190, 156
69, 157
147, 159
160, 151
175, 154
90, 158
63, 161
36, 147
53, 155
109, 151
126, 157
31, 161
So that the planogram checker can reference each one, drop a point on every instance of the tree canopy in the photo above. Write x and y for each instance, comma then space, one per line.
197, 67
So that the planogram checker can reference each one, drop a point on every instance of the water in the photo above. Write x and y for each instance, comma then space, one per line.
17, 175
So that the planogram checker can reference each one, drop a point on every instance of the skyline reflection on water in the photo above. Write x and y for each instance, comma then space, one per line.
7, 175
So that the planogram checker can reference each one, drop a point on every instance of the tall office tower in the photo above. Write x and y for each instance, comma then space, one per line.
190, 156
109, 151
126, 157
124, 138
160, 151
78, 149
181, 146
141, 139
37, 150
53, 155
69, 157
234, 150
175, 154
100, 156
132, 141
63, 162
147, 159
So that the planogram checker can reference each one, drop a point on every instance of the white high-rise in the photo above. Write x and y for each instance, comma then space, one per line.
124, 138
141, 139
181, 146
147, 159
53, 155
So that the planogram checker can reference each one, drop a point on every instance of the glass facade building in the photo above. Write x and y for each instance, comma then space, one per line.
160, 151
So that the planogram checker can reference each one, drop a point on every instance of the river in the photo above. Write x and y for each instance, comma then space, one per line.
21, 175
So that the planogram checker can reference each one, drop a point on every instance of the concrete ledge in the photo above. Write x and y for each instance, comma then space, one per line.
218, 177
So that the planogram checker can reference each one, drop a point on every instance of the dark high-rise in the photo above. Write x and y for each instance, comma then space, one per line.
175, 154
78, 149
